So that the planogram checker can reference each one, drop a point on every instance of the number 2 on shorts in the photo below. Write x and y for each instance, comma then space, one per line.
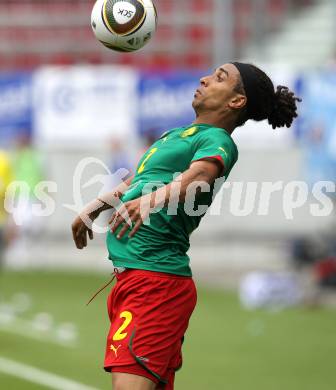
119, 335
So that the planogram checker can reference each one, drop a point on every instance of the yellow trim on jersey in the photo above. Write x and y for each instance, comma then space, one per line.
189, 132
222, 149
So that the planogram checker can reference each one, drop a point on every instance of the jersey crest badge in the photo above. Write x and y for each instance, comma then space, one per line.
189, 132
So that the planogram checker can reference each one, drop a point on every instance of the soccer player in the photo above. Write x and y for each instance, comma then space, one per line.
154, 297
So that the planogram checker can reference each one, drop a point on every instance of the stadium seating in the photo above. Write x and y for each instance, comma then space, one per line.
35, 32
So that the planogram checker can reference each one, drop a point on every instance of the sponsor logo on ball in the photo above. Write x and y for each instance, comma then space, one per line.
123, 12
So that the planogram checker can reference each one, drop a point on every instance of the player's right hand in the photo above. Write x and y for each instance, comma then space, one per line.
81, 229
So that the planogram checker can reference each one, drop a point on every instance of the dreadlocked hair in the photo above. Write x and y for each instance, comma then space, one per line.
278, 107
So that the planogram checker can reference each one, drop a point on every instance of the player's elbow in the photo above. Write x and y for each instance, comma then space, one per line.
207, 170
208, 175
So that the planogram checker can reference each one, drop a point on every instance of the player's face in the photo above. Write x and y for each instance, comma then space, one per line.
217, 89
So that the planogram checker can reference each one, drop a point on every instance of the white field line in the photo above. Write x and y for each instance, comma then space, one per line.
35, 375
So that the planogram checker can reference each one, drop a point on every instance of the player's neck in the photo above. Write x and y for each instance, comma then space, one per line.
208, 119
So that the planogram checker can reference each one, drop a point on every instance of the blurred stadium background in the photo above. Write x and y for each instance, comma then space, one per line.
267, 283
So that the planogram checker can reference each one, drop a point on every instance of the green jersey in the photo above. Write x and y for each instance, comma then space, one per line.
161, 244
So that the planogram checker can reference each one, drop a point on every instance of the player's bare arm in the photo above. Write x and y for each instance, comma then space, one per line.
82, 225
137, 210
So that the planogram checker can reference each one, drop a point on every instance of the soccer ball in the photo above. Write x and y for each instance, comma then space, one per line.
124, 25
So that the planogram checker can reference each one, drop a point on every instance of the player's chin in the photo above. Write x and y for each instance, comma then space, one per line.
195, 102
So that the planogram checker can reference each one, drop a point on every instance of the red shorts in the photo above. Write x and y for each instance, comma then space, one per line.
149, 314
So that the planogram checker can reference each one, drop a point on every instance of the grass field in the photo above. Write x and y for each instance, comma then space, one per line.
226, 347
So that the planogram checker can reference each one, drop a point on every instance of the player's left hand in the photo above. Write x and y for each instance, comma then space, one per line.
130, 215
81, 229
